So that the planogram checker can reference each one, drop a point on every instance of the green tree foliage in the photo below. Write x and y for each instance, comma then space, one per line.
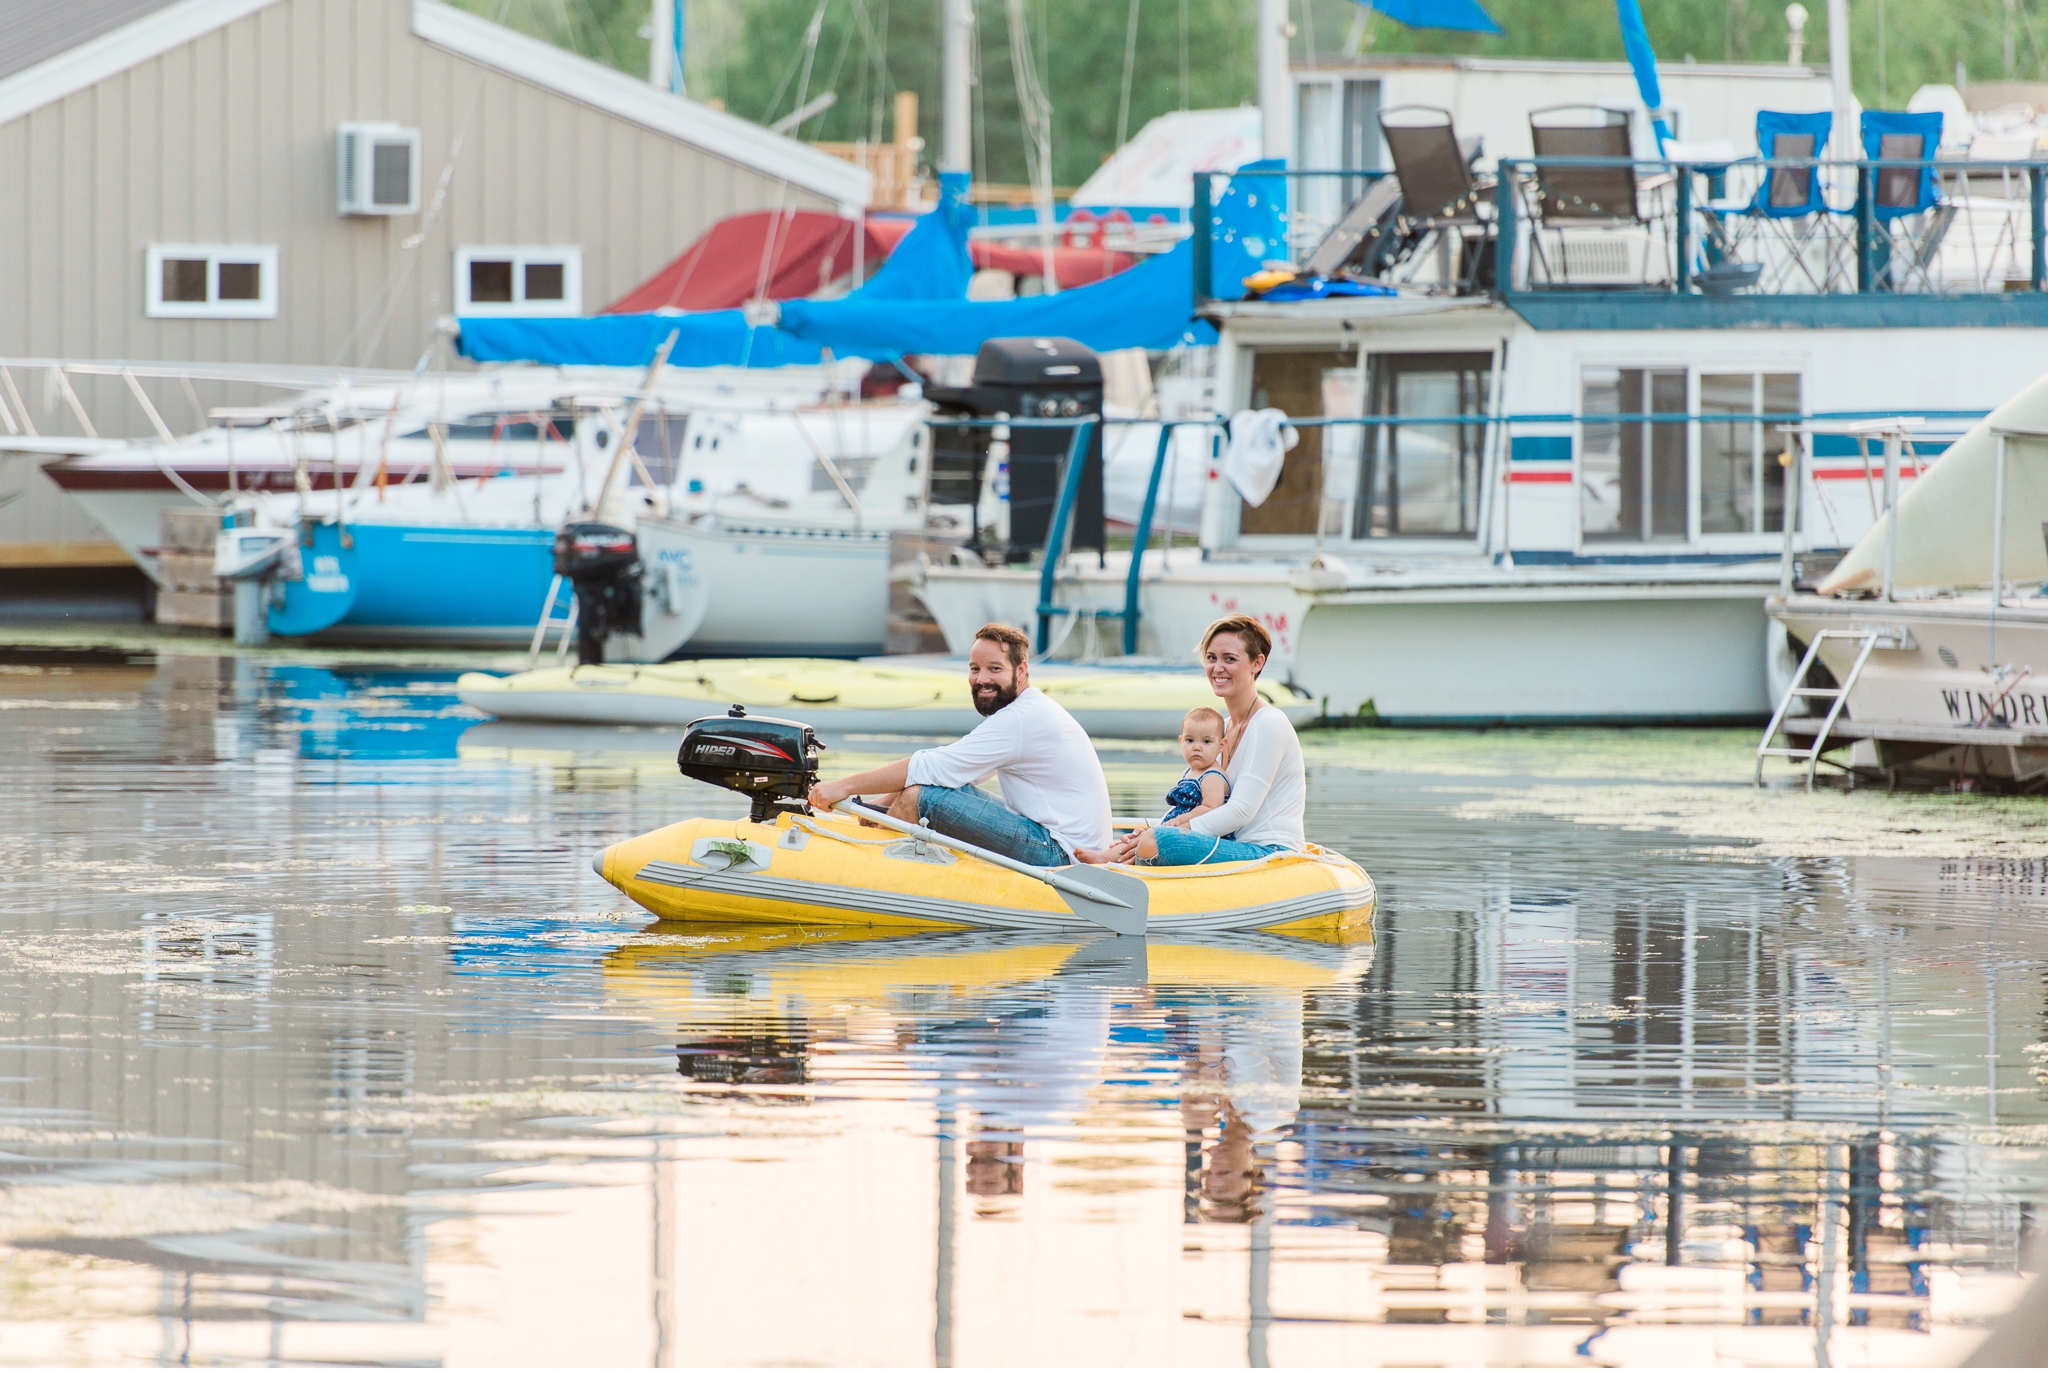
868, 49
1895, 46
758, 56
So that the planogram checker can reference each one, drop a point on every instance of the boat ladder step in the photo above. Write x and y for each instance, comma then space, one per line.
1866, 640
565, 623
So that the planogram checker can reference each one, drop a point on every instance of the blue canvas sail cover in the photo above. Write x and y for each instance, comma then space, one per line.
1152, 305
709, 338
931, 263
897, 312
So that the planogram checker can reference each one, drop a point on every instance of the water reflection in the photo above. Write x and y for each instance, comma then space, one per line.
318, 1041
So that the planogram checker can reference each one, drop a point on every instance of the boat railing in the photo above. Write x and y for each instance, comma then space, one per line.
1939, 228
1903, 441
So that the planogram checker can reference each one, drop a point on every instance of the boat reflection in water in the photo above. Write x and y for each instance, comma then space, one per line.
1058, 1086
1023, 1109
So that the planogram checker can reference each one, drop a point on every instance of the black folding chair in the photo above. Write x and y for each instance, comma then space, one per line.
1439, 194
1608, 197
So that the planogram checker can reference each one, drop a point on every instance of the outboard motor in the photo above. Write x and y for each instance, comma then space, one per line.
602, 562
773, 763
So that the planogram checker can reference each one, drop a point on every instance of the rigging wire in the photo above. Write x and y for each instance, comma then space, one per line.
1034, 109
781, 219
877, 65
1123, 105
1183, 54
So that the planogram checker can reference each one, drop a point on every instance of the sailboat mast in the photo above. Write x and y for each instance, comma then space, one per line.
956, 54
1276, 115
1847, 143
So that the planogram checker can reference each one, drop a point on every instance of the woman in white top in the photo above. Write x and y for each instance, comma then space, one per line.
1261, 757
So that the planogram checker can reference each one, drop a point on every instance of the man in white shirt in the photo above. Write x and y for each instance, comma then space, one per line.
1055, 799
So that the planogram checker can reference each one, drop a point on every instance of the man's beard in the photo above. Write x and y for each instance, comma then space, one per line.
994, 701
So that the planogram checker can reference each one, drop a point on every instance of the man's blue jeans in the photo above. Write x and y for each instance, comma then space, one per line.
973, 815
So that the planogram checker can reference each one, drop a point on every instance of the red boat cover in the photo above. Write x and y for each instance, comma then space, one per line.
1072, 266
803, 251
807, 250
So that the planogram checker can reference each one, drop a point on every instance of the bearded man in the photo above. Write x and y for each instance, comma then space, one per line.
1055, 799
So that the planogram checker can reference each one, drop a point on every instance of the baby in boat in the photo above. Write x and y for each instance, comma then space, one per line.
1203, 787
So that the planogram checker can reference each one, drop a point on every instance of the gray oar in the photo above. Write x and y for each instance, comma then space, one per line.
1116, 901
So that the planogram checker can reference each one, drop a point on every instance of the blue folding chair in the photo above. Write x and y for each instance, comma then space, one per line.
1906, 202
1784, 223
1790, 192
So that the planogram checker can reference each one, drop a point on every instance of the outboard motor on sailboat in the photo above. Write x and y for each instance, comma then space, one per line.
771, 762
602, 562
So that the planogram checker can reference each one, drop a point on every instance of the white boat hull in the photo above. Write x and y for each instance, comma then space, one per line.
817, 592
622, 708
1929, 700
1175, 603
1653, 652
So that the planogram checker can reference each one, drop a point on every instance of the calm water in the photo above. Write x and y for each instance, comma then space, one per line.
320, 1042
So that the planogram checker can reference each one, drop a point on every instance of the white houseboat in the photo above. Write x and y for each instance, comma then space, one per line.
1543, 403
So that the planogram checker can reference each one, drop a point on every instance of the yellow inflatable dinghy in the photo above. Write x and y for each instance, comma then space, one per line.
786, 865
833, 871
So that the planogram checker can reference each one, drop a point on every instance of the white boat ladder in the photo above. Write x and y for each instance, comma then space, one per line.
1867, 640
565, 623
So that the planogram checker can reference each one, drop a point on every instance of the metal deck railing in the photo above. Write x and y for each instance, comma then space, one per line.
1692, 230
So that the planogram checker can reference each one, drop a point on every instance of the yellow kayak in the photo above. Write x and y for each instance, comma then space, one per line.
920, 697
830, 870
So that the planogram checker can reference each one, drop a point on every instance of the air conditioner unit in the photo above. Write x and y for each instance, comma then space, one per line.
377, 169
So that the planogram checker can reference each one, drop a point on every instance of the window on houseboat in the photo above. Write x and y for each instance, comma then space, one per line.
1632, 481
1422, 479
1303, 384
1741, 488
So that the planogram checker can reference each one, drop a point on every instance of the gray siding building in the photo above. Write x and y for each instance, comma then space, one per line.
318, 182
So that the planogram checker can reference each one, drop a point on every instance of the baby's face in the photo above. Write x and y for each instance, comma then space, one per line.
1200, 745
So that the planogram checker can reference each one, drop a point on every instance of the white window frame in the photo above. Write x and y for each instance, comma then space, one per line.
570, 255
1696, 540
264, 255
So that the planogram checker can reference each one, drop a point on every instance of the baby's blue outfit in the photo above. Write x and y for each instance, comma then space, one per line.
1187, 793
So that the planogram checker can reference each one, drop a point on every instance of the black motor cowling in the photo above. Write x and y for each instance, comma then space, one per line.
602, 562
774, 763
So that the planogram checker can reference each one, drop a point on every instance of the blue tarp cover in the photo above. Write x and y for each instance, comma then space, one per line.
1248, 227
931, 263
1152, 305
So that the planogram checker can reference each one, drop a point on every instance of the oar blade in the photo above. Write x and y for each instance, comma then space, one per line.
1115, 900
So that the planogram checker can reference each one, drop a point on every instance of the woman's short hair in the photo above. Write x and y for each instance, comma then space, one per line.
1257, 641
1014, 643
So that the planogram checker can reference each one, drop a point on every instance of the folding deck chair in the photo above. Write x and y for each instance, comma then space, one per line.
1906, 202
1439, 194
1784, 226
1579, 198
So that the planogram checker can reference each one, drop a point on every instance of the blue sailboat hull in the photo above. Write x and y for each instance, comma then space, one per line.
420, 582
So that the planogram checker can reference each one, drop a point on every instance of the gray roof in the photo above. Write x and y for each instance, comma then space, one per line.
33, 31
